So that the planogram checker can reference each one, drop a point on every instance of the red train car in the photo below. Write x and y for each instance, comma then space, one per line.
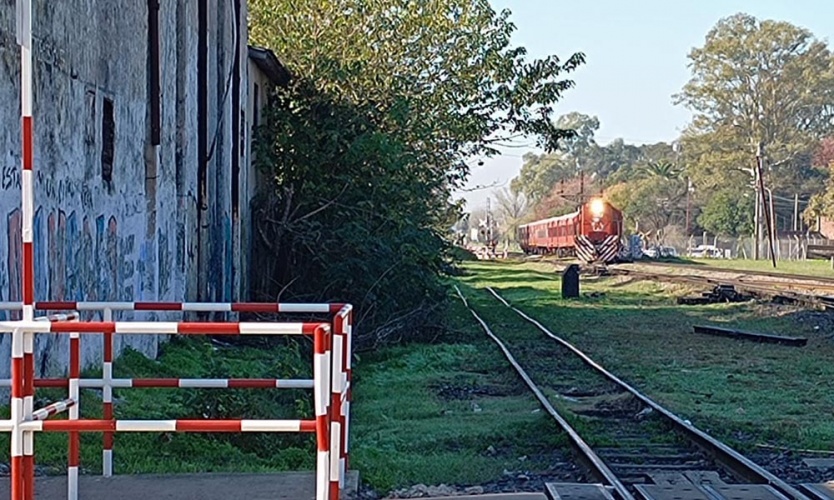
593, 233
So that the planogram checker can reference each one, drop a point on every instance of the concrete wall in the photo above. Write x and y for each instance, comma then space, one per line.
137, 236
259, 87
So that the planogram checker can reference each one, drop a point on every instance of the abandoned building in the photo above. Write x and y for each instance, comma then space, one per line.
143, 119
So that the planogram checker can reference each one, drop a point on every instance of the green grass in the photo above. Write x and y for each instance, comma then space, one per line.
407, 432
455, 412
450, 412
807, 267
742, 391
178, 452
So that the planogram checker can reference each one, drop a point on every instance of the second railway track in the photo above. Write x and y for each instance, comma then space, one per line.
638, 449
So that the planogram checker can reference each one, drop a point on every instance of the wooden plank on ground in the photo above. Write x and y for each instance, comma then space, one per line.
756, 337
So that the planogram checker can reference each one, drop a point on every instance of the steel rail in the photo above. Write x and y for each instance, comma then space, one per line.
740, 465
585, 453
762, 290
748, 272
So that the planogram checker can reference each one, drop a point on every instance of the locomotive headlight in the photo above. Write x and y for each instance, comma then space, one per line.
597, 207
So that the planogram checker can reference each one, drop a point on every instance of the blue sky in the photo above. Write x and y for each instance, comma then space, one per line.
636, 60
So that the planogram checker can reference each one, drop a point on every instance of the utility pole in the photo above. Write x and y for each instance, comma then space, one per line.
688, 190
488, 221
796, 212
770, 228
676, 147
757, 223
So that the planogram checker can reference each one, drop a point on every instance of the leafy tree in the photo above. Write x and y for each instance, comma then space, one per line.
512, 207
660, 169
651, 204
350, 216
540, 173
582, 141
757, 82
447, 67
565, 197
604, 165
365, 146
728, 212
614, 162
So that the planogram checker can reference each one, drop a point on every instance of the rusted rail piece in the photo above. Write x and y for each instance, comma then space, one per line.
757, 337
747, 272
757, 290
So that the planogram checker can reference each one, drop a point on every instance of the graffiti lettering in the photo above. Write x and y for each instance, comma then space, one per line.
83, 259
10, 177
60, 190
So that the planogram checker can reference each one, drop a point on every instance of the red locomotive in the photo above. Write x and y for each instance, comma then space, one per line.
593, 233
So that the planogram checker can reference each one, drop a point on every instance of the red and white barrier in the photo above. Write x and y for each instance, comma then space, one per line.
182, 383
162, 328
237, 307
330, 383
326, 350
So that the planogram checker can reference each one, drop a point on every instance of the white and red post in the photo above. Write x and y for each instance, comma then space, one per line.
321, 393
74, 452
339, 403
107, 397
23, 389
331, 358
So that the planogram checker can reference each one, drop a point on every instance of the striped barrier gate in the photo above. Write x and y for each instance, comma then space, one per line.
332, 426
330, 384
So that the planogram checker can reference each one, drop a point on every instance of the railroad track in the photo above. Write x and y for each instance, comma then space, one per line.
765, 274
632, 455
759, 289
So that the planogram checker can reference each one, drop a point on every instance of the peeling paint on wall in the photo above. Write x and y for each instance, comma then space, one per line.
108, 240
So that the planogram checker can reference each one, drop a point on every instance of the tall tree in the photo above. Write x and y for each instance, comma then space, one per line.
446, 70
511, 208
757, 82
389, 100
540, 173
728, 212
652, 202
585, 128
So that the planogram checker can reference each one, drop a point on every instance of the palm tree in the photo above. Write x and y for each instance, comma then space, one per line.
661, 169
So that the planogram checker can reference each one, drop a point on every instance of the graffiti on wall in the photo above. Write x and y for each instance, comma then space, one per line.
10, 177
79, 258
60, 190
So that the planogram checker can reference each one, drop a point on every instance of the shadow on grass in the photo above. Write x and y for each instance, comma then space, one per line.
762, 392
623, 310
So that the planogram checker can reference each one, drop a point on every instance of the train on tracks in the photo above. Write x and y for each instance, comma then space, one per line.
593, 234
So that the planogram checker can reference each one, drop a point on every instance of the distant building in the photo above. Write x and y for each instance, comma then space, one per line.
142, 120
826, 227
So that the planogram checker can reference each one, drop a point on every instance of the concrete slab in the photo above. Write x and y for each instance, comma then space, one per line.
819, 463
743, 492
824, 491
281, 486
496, 496
671, 492
577, 491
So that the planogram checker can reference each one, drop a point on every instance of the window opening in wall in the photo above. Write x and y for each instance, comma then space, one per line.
153, 55
108, 140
